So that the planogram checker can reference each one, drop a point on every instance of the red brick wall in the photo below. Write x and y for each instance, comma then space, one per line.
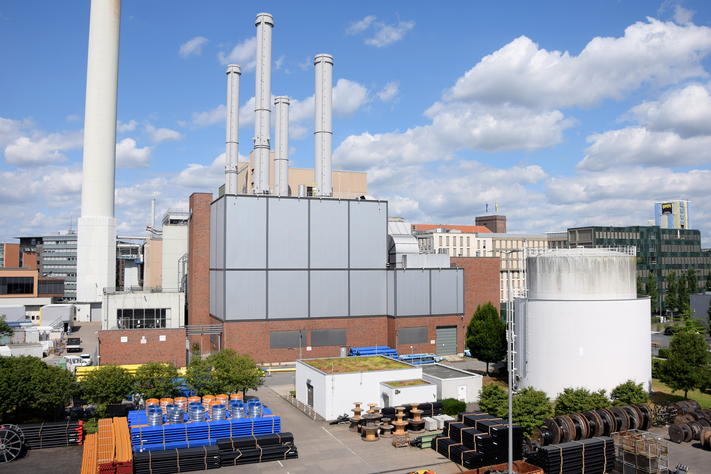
481, 282
199, 263
12, 256
113, 351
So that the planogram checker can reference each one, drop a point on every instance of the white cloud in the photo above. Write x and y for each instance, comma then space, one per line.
660, 53
639, 146
209, 117
55, 186
386, 35
128, 156
41, 150
360, 26
389, 92
130, 197
126, 127
202, 177
348, 96
73, 118
306, 64
244, 55
162, 134
685, 111
11, 130
193, 46
683, 16
278, 62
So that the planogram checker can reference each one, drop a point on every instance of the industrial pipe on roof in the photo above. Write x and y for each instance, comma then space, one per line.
262, 107
323, 124
281, 146
232, 143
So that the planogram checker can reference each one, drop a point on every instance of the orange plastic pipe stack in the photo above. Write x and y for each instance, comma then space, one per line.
206, 402
89, 463
222, 399
151, 401
236, 396
182, 402
164, 402
107, 447
124, 453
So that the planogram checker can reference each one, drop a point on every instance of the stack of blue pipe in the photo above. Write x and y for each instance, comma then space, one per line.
372, 351
196, 433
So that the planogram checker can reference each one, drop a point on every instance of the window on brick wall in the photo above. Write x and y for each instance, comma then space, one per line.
144, 318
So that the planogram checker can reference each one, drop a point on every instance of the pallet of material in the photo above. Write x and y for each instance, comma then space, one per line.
107, 447
592, 456
53, 435
91, 452
177, 460
124, 451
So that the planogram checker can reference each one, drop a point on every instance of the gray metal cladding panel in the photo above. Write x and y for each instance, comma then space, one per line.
246, 295
219, 232
213, 235
368, 234
213, 292
328, 337
329, 293
288, 294
416, 335
391, 293
246, 232
286, 339
219, 295
329, 233
413, 292
288, 233
368, 293
446, 291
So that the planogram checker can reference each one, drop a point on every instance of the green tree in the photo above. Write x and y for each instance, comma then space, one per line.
651, 287
156, 380
5, 329
493, 399
629, 393
708, 313
578, 400
693, 280
223, 372
670, 300
708, 281
683, 295
486, 335
531, 407
687, 366
106, 384
640, 285
55, 386
197, 375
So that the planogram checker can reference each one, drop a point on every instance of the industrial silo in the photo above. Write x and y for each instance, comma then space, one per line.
582, 324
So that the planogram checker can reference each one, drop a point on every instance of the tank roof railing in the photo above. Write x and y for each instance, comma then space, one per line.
630, 250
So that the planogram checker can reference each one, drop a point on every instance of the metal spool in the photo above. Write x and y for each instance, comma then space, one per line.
218, 412
696, 416
708, 413
693, 404
646, 415
582, 429
640, 416
554, 430
676, 434
571, 426
706, 438
700, 414
633, 420
609, 422
695, 430
680, 419
541, 437
154, 415
595, 423
704, 423
623, 420
196, 412
688, 433
11, 441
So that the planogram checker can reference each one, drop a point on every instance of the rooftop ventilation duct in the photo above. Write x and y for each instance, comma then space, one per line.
262, 107
281, 146
232, 143
323, 124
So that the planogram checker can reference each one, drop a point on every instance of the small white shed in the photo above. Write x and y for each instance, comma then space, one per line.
453, 383
403, 392
331, 386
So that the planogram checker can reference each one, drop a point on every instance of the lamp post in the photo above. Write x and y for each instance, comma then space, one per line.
509, 349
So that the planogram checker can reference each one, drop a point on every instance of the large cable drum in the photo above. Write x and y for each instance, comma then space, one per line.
11, 441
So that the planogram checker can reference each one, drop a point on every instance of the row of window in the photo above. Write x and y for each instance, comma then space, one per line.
60, 259
618, 235
49, 287
46, 250
336, 337
17, 285
143, 318
681, 248
677, 235
59, 242
445, 239
53, 266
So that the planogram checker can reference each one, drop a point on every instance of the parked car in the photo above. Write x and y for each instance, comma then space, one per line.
74, 361
669, 331
87, 359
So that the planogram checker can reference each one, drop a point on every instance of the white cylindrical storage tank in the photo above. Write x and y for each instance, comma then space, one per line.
281, 146
262, 106
582, 324
323, 124
232, 142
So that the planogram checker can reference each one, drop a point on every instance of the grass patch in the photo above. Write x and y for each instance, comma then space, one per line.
343, 365
664, 393
406, 383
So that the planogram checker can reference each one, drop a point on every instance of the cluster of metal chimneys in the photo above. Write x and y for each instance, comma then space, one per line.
262, 123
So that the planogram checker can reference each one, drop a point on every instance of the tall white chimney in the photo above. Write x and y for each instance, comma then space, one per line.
262, 99
96, 239
232, 144
281, 146
153, 212
323, 124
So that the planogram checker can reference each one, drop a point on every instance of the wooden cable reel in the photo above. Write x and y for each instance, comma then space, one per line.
609, 421
541, 437
554, 430
11, 441
582, 428
595, 423
623, 419
634, 419
705, 438
647, 416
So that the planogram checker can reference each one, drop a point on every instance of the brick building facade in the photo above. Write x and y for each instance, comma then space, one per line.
138, 346
198, 304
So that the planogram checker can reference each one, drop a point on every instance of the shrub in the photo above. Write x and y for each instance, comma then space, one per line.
531, 407
656, 368
452, 406
629, 393
493, 400
663, 353
656, 319
580, 400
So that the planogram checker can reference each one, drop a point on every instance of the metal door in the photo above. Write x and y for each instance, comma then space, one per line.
344, 351
309, 395
462, 393
386, 400
447, 341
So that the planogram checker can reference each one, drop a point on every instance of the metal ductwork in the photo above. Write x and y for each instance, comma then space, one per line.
262, 106
281, 146
232, 144
323, 124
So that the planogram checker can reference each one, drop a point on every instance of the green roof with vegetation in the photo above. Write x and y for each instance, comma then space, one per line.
406, 383
343, 365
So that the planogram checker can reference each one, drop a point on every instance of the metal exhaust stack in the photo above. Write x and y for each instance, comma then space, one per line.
153, 212
262, 97
232, 144
281, 146
323, 124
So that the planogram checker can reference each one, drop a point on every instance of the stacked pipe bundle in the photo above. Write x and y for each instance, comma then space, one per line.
690, 422
124, 451
257, 449
201, 433
91, 452
591, 424
53, 435
428, 409
372, 351
591, 456
177, 460
478, 439
107, 447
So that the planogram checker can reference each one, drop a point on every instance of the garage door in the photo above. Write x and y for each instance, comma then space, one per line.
447, 341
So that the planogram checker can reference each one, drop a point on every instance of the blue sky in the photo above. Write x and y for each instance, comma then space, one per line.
565, 113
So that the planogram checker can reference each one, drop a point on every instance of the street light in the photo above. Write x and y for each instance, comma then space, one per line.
509, 349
